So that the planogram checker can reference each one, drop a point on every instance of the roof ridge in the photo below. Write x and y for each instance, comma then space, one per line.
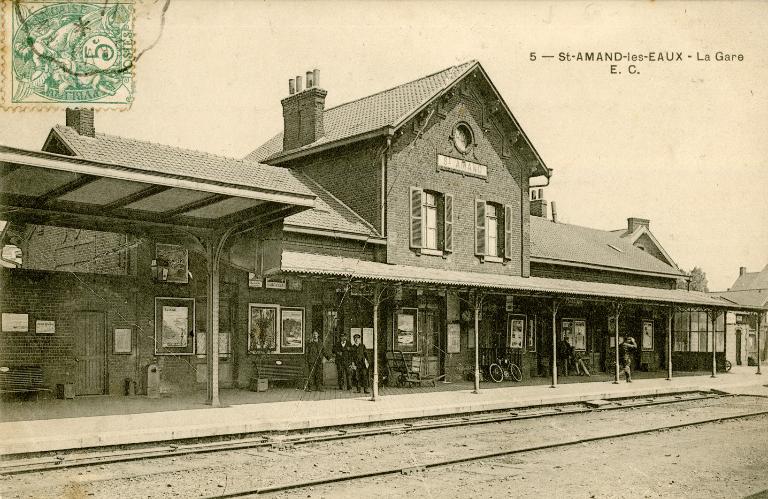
365, 222
162, 146
455, 66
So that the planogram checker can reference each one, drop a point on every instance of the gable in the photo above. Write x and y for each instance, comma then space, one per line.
645, 243
386, 112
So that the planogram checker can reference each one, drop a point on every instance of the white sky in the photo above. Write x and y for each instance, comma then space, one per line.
683, 143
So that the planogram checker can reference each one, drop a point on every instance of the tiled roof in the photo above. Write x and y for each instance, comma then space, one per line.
329, 213
386, 108
751, 280
750, 297
304, 263
176, 161
559, 242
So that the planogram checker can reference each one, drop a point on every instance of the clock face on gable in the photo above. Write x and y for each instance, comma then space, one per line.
462, 137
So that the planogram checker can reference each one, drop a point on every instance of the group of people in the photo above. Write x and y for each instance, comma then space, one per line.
351, 363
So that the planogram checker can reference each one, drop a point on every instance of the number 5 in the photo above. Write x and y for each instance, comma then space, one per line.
533, 56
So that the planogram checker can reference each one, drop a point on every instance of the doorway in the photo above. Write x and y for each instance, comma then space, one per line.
738, 347
90, 353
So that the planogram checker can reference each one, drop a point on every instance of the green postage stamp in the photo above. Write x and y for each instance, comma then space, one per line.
67, 52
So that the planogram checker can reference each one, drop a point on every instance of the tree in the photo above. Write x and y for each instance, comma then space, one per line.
698, 280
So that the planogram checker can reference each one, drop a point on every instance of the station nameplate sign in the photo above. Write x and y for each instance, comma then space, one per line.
462, 166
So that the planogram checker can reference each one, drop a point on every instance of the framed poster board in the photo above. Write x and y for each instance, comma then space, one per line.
580, 335
566, 330
516, 325
45, 327
368, 337
176, 259
353, 331
122, 341
405, 335
15, 323
262, 327
454, 338
292, 330
174, 326
530, 339
647, 342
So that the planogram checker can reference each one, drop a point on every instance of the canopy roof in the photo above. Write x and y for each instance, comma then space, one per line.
45, 188
309, 264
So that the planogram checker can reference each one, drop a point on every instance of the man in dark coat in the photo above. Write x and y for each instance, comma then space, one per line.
360, 363
314, 359
343, 355
626, 352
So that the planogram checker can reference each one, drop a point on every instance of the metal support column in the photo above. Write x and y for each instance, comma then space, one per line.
478, 305
617, 310
714, 313
669, 343
759, 317
555, 305
214, 247
375, 383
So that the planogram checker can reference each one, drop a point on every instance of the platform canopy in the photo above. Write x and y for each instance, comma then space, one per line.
352, 269
52, 189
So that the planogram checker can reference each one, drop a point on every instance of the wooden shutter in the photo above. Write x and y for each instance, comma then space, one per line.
508, 231
417, 222
480, 227
448, 223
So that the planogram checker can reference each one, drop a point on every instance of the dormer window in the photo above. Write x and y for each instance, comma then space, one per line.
462, 137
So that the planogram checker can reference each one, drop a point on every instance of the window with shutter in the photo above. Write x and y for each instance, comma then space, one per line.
508, 232
480, 227
448, 223
492, 229
416, 217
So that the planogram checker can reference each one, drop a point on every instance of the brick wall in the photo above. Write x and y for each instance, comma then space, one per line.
413, 163
352, 174
64, 249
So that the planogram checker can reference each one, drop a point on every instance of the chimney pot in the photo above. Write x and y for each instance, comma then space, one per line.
554, 212
541, 193
634, 223
742, 270
316, 77
303, 113
81, 119
539, 208
291, 87
299, 88
310, 79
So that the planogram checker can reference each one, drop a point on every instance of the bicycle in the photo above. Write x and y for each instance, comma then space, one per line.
504, 369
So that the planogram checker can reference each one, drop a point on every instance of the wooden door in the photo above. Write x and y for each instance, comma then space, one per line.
90, 353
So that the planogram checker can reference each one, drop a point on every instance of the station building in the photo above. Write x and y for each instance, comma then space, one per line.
429, 234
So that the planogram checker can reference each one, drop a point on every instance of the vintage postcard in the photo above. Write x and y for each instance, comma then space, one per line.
383, 248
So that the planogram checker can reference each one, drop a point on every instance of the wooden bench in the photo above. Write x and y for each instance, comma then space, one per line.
280, 371
22, 379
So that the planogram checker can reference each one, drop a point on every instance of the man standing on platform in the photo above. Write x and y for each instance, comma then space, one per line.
343, 355
626, 350
314, 358
360, 363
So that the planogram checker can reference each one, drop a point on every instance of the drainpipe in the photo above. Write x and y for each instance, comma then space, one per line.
759, 316
714, 315
554, 344
669, 343
617, 310
478, 304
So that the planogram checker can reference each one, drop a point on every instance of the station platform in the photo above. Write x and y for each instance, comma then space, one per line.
78, 424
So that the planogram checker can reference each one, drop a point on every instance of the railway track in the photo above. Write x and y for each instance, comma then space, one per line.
23, 464
476, 457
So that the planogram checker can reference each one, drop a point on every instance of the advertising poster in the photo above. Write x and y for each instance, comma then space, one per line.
580, 335
454, 338
292, 331
406, 331
516, 328
647, 335
174, 329
177, 260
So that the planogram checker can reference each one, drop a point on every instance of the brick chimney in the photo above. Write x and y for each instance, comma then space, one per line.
81, 119
538, 203
635, 223
742, 271
303, 112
